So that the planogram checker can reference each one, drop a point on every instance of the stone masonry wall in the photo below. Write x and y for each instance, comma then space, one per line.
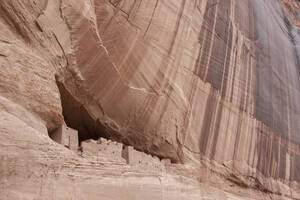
66, 136
106, 150
102, 150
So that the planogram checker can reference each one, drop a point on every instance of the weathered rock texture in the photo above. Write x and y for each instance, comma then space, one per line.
212, 84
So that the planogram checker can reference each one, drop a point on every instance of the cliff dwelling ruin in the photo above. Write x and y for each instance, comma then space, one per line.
102, 150
90, 140
157, 99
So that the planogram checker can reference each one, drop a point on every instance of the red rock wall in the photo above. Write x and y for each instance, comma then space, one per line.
203, 82
214, 80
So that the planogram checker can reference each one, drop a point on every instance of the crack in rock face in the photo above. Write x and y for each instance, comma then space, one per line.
212, 85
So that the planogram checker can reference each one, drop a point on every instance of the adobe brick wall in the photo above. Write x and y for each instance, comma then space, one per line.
66, 136
141, 159
166, 161
107, 150
102, 150
89, 148
111, 149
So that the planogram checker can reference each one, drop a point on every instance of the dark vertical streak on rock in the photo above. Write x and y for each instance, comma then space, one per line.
296, 168
205, 41
227, 63
248, 92
215, 71
282, 162
292, 164
249, 161
243, 77
261, 151
217, 129
233, 77
208, 121
268, 161
238, 135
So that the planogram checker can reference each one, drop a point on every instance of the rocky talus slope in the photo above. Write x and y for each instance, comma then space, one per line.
212, 85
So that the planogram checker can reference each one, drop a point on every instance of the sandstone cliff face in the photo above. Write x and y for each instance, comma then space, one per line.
209, 84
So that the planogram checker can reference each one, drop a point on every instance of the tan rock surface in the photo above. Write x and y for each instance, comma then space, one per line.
34, 167
209, 84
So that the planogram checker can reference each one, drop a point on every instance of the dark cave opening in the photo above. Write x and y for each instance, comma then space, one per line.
77, 117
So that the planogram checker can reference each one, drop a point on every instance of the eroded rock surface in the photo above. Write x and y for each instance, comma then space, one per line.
212, 85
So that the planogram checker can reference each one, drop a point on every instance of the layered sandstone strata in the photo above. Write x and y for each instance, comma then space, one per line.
206, 83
